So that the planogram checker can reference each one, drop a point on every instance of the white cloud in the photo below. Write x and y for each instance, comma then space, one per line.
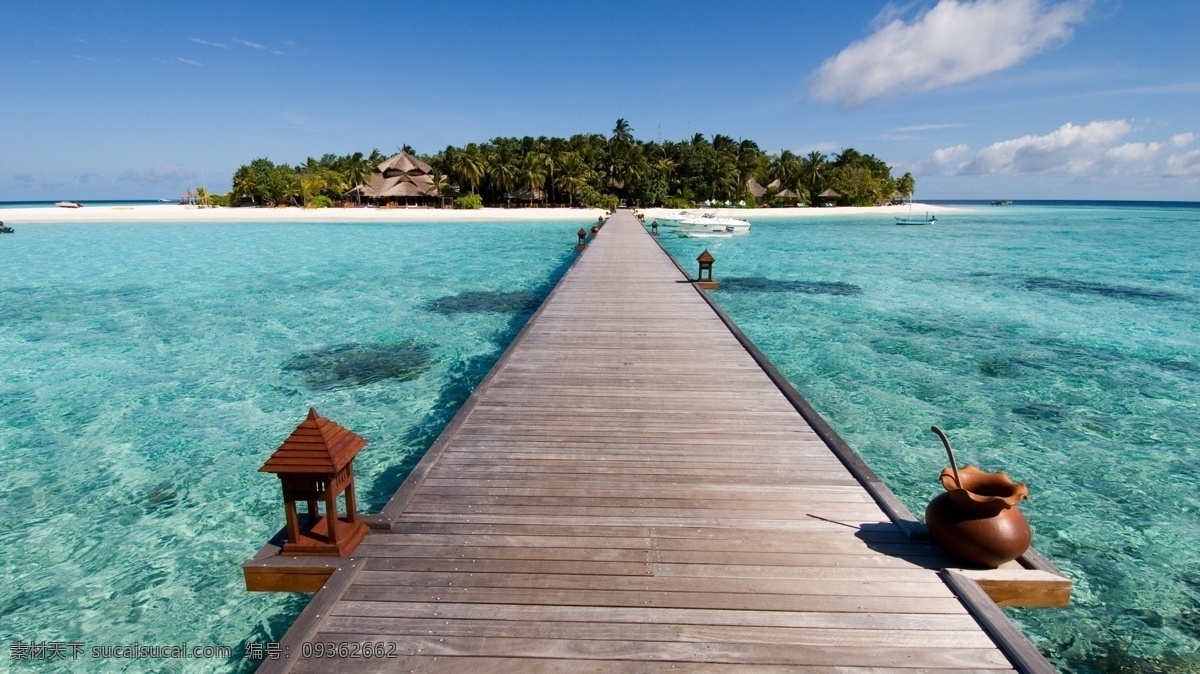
1187, 164
1134, 152
188, 61
1068, 149
1084, 151
209, 44
1183, 139
247, 43
954, 42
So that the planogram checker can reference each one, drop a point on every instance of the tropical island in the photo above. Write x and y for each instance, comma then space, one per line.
589, 170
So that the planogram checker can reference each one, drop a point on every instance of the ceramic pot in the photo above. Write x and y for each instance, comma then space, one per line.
979, 523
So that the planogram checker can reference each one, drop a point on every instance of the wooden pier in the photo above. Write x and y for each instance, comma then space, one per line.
633, 488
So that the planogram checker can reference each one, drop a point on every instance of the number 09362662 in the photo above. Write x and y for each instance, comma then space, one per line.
348, 649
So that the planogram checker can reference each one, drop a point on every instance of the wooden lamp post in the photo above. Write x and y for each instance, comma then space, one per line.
315, 464
654, 228
582, 239
704, 279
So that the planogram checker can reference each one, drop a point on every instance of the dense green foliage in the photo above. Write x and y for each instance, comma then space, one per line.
469, 201
594, 170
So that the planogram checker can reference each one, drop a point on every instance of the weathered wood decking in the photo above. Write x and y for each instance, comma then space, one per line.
629, 490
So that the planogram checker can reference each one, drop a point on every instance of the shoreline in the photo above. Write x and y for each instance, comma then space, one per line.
177, 213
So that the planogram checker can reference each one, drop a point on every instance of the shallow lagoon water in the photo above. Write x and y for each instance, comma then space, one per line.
148, 370
1059, 344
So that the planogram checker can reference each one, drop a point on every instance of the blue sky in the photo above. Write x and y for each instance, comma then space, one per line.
978, 98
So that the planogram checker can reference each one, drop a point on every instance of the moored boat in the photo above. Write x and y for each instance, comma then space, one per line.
69, 204
717, 222
704, 233
927, 220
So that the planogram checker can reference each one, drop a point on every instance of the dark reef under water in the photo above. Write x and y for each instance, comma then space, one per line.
484, 301
350, 365
758, 284
1104, 290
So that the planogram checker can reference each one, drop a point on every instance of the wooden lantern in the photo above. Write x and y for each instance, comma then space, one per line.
582, 239
654, 228
316, 464
704, 279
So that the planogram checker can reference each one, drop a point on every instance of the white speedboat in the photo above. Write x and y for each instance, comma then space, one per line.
717, 222
676, 216
704, 234
69, 204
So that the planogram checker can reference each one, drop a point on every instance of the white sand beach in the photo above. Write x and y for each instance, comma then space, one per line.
177, 213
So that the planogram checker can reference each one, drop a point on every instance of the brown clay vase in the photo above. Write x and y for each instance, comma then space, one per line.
979, 523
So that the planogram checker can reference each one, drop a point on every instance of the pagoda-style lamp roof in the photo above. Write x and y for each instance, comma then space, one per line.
317, 446
706, 257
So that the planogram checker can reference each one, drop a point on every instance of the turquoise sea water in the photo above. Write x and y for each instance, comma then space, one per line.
148, 370
1059, 344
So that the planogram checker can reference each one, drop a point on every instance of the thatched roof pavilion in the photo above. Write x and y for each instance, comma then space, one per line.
788, 195
401, 176
756, 189
829, 197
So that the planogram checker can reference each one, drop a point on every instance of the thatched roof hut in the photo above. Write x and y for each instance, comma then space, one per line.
754, 188
788, 195
403, 162
829, 197
401, 176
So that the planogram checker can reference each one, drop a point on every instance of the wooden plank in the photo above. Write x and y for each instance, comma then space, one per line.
443, 664
712, 652
603, 631
1021, 587
889, 588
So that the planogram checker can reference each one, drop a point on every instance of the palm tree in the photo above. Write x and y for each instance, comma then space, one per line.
470, 166
533, 173
357, 171
438, 184
244, 185
814, 167
725, 182
501, 172
622, 132
786, 169
906, 185
203, 198
666, 166
573, 175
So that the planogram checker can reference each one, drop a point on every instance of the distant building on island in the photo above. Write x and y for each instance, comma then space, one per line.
402, 178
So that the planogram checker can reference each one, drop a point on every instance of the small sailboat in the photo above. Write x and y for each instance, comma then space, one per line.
927, 220
910, 220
